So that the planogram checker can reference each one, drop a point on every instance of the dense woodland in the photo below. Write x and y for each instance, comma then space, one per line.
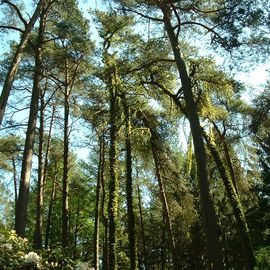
126, 140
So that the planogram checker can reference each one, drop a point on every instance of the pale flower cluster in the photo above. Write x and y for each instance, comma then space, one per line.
7, 247
32, 257
83, 266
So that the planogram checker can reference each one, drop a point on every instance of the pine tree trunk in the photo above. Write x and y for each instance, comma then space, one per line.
114, 182
22, 204
236, 205
155, 147
40, 187
213, 249
39, 208
103, 216
142, 227
65, 206
50, 212
227, 156
15, 63
129, 193
15, 182
97, 208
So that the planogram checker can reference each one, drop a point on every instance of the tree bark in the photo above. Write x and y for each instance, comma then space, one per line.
213, 249
21, 209
155, 147
103, 216
114, 182
40, 187
142, 227
65, 206
16, 60
50, 211
236, 205
129, 193
97, 209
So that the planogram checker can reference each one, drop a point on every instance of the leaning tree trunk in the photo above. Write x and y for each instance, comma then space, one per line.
129, 193
16, 60
236, 205
22, 204
213, 249
155, 147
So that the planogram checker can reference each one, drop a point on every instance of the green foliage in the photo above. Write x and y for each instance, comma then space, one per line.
263, 258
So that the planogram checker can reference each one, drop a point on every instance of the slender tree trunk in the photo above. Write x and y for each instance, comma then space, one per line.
16, 60
39, 208
155, 147
40, 190
97, 210
129, 193
236, 204
21, 209
15, 181
163, 251
103, 216
47, 151
50, 212
76, 230
142, 227
65, 206
114, 182
227, 156
213, 249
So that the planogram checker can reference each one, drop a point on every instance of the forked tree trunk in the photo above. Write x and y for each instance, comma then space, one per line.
16, 61
236, 205
214, 257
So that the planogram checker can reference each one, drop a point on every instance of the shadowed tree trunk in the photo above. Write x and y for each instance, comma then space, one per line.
114, 182
213, 249
236, 205
129, 192
156, 152
98, 193
50, 210
65, 206
103, 215
142, 226
22, 204
17, 58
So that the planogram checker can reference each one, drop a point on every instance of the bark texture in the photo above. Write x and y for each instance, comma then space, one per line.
214, 257
17, 59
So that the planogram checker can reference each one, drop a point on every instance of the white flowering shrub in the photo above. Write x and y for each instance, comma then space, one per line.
16, 254
12, 250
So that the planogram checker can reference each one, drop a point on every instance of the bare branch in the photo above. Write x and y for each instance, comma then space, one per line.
17, 11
